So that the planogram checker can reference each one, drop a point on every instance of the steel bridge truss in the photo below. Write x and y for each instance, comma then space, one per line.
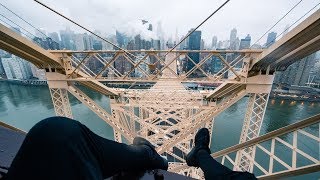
288, 151
167, 114
257, 104
151, 65
60, 102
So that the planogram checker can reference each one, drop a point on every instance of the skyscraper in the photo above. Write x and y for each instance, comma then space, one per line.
214, 42
2, 73
54, 36
97, 45
298, 72
156, 44
137, 42
194, 41
233, 39
47, 43
67, 39
79, 41
150, 27
245, 43
88, 42
271, 39
16, 68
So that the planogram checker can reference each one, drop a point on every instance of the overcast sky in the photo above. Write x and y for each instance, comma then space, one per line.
247, 16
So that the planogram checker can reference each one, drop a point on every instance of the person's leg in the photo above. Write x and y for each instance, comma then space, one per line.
200, 156
210, 167
118, 157
61, 148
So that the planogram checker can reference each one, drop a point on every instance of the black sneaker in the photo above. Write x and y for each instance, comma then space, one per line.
157, 162
201, 142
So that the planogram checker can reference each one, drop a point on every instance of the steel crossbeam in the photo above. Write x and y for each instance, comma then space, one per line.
159, 68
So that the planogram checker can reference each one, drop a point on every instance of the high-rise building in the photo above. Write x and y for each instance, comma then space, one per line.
130, 45
97, 45
67, 41
245, 43
79, 41
47, 43
38, 73
156, 44
2, 73
297, 73
122, 39
150, 27
233, 39
214, 42
202, 45
271, 39
54, 36
16, 68
88, 42
137, 42
237, 43
194, 42
41, 33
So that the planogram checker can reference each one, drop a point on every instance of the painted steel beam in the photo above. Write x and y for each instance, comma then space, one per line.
304, 33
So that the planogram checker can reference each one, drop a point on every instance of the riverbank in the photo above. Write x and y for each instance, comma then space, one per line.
33, 82
301, 98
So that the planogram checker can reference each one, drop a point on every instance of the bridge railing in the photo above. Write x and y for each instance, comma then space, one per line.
288, 151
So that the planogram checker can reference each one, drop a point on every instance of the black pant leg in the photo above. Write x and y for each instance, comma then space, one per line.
211, 168
61, 148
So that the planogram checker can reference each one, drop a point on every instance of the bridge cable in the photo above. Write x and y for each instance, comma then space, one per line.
72, 21
294, 23
277, 22
193, 30
17, 25
24, 20
79, 25
9, 25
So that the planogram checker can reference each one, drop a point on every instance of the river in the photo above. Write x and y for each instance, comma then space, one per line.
24, 105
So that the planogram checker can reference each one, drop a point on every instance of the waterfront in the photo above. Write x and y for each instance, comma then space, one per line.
23, 105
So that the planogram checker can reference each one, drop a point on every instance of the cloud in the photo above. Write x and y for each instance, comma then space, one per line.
136, 27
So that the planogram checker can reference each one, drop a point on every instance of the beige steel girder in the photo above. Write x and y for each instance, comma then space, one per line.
100, 112
59, 96
61, 102
257, 104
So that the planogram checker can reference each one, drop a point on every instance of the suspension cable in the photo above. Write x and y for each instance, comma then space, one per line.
17, 25
79, 25
277, 22
294, 23
23, 20
193, 30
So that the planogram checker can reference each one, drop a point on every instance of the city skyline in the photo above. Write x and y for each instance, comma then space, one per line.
128, 14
